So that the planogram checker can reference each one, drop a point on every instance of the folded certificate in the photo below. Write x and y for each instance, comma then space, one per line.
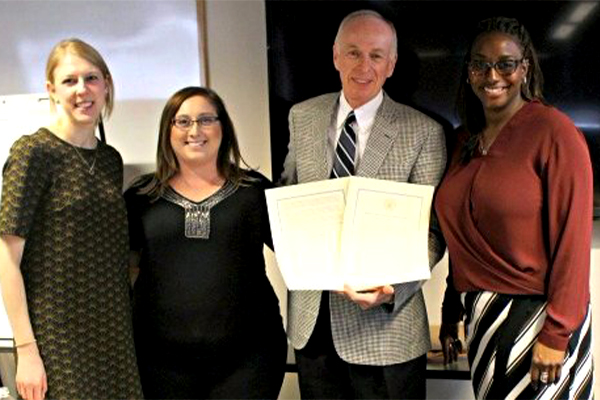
358, 231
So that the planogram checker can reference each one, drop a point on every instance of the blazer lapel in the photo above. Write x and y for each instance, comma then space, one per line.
382, 137
320, 130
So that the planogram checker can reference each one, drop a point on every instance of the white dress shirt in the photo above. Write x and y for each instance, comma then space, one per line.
365, 116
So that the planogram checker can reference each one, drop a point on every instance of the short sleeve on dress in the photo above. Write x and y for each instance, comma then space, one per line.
25, 179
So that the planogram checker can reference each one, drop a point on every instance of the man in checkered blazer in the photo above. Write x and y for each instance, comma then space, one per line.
363, 344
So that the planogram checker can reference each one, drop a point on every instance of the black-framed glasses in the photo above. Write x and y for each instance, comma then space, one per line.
503, 67
186, 123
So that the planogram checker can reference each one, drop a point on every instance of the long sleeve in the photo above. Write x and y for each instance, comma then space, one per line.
289, 176
452, 308
570, 199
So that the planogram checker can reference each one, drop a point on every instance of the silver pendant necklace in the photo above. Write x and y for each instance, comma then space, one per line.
482, 148
93, 164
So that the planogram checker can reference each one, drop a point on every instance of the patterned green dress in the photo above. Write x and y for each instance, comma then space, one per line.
66, 202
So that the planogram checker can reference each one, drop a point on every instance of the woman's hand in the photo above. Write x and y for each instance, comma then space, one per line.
31, 380
546, 364
451, 345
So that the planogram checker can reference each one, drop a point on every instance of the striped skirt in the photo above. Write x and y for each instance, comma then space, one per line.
501, 331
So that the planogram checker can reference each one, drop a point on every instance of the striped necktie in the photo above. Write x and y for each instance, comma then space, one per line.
345, 151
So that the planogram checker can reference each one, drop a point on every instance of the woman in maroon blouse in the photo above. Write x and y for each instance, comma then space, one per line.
516, 210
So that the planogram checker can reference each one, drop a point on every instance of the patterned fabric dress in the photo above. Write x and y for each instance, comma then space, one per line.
74, 263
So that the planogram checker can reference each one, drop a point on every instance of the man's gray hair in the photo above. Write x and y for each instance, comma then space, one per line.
368, 13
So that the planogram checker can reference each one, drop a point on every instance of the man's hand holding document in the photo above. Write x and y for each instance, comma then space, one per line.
353, 231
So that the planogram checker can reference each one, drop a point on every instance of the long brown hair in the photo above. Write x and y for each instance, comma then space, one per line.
469, 107
229, 157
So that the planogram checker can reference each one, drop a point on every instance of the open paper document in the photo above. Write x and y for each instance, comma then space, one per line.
358, 231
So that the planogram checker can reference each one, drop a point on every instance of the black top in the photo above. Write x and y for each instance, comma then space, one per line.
204, 292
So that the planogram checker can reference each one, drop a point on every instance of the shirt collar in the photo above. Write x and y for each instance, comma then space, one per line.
364, 114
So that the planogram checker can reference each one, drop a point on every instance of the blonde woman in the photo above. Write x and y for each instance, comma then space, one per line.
63, 243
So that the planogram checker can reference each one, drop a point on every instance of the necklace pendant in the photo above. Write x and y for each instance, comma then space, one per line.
91, 166
482, 148
197, 222
197, 215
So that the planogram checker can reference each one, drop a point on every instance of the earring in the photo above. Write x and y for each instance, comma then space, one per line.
468, 80
525, 80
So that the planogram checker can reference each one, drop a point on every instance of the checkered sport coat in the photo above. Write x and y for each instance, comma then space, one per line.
404, 146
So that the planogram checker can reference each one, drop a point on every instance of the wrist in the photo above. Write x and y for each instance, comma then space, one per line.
27, 347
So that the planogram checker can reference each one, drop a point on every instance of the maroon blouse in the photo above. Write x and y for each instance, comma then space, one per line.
519, 219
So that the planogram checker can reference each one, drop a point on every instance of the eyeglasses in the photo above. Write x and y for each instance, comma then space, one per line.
503, 67
186, 123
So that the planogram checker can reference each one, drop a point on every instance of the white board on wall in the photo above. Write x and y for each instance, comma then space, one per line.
151, 47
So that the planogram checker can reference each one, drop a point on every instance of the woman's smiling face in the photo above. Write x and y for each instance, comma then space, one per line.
197, 145
78, 89
497, 90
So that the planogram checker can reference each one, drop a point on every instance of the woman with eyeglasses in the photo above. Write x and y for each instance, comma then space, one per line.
207, 322
515, 208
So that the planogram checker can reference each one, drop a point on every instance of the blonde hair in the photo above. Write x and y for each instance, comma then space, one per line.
81, 49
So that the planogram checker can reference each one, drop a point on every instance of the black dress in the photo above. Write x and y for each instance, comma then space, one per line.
74, 263
206, 319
